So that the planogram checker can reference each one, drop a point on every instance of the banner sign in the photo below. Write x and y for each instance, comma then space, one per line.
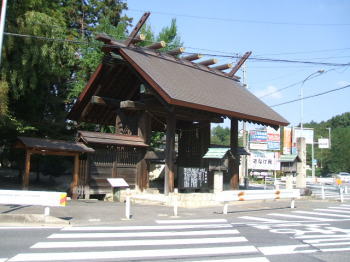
287, 140
263, 160
258, 136
193, 177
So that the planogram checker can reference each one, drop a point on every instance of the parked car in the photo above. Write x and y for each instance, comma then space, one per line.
344, 176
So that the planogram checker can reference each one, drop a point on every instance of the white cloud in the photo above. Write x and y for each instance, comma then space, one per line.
269, 91
343, 83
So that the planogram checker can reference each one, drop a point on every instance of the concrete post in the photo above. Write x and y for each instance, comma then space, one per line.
218, 181
301, 167
289, 182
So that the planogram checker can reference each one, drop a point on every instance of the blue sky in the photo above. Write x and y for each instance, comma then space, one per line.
314, 30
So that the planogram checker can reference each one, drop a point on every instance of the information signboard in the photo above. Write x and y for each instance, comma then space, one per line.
263, 160
192, 177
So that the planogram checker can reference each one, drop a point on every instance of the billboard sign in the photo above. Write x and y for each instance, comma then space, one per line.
273, 139
308, 133
263, 160
323, 143
258, 136
258, 146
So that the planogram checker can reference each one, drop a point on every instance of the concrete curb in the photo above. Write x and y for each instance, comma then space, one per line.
25, 219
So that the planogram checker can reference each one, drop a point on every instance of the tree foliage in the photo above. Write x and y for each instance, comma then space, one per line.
336, 159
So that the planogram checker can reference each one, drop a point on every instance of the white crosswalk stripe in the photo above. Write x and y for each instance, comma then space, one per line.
180, 239
312, 230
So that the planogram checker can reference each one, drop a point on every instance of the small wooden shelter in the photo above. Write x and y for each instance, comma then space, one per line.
40, 146
289, 163
139, 90
115, 155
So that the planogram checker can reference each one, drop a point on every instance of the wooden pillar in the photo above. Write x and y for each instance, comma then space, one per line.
234, 163
204, 130
75, 181
25, 181
144, 131
170, 154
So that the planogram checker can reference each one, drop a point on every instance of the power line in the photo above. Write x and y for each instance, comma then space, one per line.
239, 20
294, 84
208, 54
311, 96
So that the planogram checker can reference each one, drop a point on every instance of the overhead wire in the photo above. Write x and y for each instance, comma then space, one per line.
294, 84
311, 96
242, 20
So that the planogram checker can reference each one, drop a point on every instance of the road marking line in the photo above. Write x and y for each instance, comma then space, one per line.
332, 244
189, 221
335, 249
345, 205
183, 252
320, 213
326, 240
262, 219
282, 250
142, 242
333, 210
3, 259
304, 217
144, 234
341, 208
322, 236
126, 228
249, 259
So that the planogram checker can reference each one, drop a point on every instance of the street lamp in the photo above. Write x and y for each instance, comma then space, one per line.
318, 72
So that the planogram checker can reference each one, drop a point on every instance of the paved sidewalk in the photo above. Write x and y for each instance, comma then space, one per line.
93, 212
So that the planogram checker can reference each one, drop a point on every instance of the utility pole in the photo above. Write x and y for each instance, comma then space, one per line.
2, 24
244, 168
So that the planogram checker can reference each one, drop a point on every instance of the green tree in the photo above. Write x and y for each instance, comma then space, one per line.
220, 135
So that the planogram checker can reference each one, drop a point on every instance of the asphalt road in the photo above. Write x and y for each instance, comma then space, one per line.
315, 231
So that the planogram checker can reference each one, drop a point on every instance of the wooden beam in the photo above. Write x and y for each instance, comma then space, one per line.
157, 45
138, 38
222, 67
208, 62
137, 28
176, 51
105, 101
234, 163
132, 105
25, 181
192, 57
170, 154
239, 64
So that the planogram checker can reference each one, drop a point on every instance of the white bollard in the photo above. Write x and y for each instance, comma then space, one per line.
224, 211
341, 194
46, 211
292, 203
176, 192
346, 189
323, 196
127, 204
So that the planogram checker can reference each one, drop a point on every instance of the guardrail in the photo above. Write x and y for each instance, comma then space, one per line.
39, 198
245, 195
336, 191
151, 198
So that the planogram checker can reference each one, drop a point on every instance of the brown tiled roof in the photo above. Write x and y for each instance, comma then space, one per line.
183, 84
53, 145
179, 82
110, 139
